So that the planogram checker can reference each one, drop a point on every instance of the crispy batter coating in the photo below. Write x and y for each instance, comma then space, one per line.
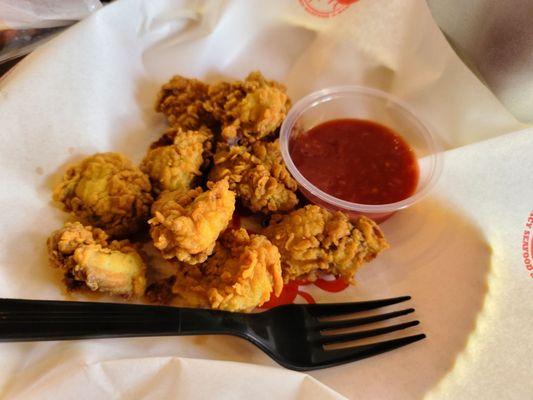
187, 225
258, 175
177, 165
182, 101
241, 274
88, 260
107, 191
248, 110
313, 240
160, 291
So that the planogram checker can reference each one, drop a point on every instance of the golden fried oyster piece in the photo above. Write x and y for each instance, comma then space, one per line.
176, 161
258, 175
187, 225
88, 260
312, 240
107, 191
242, 274
182, 101
248, 110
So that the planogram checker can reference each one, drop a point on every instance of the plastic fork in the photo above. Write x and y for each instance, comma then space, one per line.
293, 335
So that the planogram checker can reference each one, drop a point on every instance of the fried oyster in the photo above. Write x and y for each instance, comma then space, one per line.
258, 175
248, 110
312, 240
182, 101
187, 225
107, 191
89, 260
242, 274
176, 160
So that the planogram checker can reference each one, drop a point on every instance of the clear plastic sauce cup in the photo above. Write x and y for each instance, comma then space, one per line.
359, 102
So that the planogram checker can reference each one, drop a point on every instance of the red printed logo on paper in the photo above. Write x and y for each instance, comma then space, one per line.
326, 8
527, 245
292, 289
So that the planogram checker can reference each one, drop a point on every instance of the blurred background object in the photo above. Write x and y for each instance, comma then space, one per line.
16, 43
25, 24
26, 14
495, 39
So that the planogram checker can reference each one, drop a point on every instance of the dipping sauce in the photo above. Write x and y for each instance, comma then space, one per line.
356, 160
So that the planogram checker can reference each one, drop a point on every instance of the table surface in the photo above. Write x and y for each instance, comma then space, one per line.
4, 67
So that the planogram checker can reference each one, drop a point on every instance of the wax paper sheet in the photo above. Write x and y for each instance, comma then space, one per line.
458, 252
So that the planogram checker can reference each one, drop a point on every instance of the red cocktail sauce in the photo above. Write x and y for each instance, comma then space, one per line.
356, 160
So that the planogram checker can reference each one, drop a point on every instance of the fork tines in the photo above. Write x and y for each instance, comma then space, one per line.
341, 355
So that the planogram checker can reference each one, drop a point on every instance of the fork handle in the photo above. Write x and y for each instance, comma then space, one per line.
32, 320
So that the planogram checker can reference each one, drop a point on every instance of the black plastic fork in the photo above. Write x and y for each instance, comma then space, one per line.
293, 335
